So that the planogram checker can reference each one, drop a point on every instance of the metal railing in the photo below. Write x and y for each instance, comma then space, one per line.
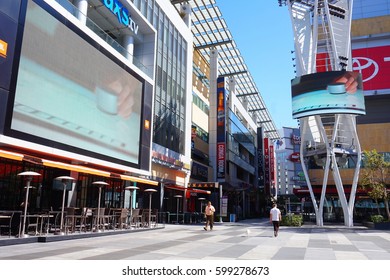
105, 36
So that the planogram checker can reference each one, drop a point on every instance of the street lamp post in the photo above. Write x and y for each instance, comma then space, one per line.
28, 175
177, 207
150, 191
64, 180
99, 184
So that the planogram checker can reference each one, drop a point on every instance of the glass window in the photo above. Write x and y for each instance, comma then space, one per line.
155, 17
171, 82
372, 8
150, 14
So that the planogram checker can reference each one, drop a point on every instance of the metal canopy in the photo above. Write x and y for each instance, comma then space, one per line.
210, 29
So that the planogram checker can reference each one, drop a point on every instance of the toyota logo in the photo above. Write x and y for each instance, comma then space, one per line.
366, 66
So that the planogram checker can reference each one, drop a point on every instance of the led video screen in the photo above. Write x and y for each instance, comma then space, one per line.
71, 95
335, 92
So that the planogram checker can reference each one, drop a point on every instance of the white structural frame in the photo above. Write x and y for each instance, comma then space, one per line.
324, 26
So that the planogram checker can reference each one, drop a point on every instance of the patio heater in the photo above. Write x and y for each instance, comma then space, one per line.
65, 180
100, 185
150, 191
178, 196
29, 176
131, 189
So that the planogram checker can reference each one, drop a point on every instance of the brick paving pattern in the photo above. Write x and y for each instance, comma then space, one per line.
247, 240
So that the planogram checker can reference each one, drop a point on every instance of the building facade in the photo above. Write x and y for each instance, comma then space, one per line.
227, 111
125, 91
171, 145
97, 90
288, 166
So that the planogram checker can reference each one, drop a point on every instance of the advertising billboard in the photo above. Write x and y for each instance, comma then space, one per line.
272, 163
334, 92
8, 30
267, 179
374, 65
72, 94
221, 128
260, 157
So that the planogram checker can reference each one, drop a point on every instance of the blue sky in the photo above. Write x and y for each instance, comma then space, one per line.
263, 33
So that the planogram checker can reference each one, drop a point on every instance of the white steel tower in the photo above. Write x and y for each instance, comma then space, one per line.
326, 96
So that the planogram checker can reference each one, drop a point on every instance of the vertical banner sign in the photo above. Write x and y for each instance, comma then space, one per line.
221, 128
193, 136
266, 167
260, 157
272, 164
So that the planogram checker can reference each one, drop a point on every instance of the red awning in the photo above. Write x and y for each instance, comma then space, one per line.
175, 187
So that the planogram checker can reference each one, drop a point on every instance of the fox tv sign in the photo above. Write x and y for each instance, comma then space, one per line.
123, 15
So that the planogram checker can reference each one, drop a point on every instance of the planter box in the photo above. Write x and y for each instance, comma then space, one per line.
384, 225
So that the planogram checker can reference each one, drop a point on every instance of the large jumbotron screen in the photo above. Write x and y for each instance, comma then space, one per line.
335, 92
72, 94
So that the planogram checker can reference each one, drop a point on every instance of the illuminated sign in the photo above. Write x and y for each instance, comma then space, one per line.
203, 185
3, 48
267, 179
298, 178
169, 158
121, 13
221, 128
327, 93
166, 160
92, 122
221, 160
272, 163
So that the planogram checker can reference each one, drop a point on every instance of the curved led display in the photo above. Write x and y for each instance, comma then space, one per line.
335, 92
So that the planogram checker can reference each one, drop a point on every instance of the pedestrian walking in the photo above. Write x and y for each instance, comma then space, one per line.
209, 213
275, 217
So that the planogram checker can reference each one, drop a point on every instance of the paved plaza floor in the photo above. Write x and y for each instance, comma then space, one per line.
246, 240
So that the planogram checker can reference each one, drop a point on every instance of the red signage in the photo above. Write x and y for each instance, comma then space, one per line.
295, 157
374, 65
221, 128
272, 163
220, 160
266, 166
323, 62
